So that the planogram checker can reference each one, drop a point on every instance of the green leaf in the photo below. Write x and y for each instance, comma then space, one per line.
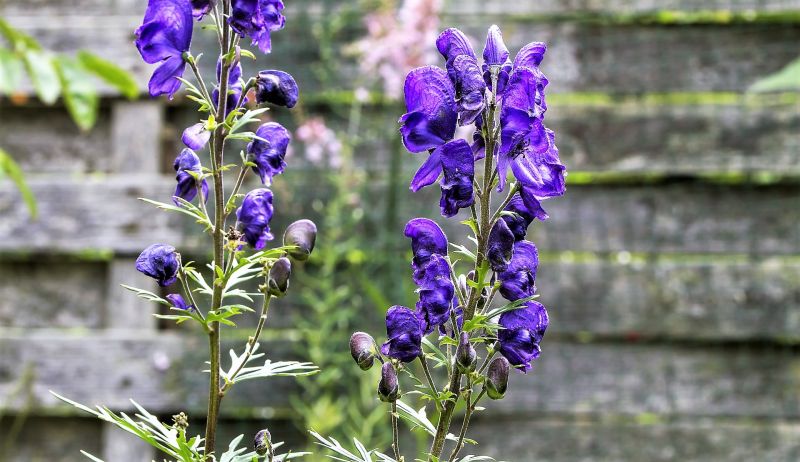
11, 69
110, 73
44, 75
787, 79
80, 96
17, 39
11, 169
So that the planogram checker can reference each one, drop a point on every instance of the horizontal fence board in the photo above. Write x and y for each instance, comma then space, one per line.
581, 57
50, 439
543, 438
162, 373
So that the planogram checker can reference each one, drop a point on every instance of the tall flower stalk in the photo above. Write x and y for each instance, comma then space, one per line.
238, 225
458, 326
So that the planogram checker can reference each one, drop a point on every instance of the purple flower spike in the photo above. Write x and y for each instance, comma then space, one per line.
458, 166
531, 55
404, 333
495, 53
196, 136
523, 330
187, 161
452, 42
276, 87
427, 239
268, 155
436, 293
164, 36
201, 8
160, 262
518, 281
501, 246
257, 19
470, 88
522, 216
179, 303
254, 216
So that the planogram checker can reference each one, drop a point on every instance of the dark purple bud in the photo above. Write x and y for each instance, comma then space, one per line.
187, 161
257, 19
388, 388
268, 154
495, 53
235, 86
179, 303
523, 330
427, 239
276, 87
436, 293
501, 246
160, 262
362, 348
458, 166
164, 36
201, 8
279, 275
497, 378
404, 333
196, 136
518, 281
254, 216
466, 356
302, 234
262, 443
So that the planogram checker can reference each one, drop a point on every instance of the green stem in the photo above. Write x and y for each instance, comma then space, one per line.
395, 433
465, 424
251, 343
430, 380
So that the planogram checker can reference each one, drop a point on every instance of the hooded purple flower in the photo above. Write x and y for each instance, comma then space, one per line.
463, 70
235, 86
179, 303
518, 281
404, 333
257, 19
501, 246
254, 216
160, 262
436, 293
268, 155
187, 161
427, 239
521, 216
458, 166
164, 36
201, 8
196, 136
430, 121
523, 330
276, 87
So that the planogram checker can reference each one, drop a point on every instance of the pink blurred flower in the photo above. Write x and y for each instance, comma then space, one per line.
322, 147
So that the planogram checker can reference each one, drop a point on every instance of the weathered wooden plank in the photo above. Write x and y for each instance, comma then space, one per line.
161, 372
121, 445
582, 57
580, 439
50, 439
50, 293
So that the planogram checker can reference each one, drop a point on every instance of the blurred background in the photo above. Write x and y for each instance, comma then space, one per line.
671, 268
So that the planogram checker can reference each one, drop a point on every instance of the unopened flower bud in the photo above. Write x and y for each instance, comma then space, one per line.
362, 348
466, 357
388, 388
263, 444
279, 276
276, 87
497, 378
181, 421
302, 234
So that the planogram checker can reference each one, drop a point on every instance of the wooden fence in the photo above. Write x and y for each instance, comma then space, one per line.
671, 268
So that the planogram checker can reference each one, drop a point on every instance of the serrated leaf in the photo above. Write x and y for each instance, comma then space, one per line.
44, 75
110, 73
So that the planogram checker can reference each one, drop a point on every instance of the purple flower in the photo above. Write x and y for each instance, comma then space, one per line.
276, 87
235, 86
179, 303
427, 239
164, 36
495, 53
268, 154
452, 42
458, 166
404, 333
501, 246
518, 281
186, 162
436, 293
522, 216
201, 8
254, 216
463, 70
523, 330
196, 136
257, 19
160, 262
430, 121
531, 55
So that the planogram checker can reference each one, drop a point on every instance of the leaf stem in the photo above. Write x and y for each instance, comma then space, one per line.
430, 380
251, 343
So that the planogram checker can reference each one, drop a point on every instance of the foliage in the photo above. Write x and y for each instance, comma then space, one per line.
787, 79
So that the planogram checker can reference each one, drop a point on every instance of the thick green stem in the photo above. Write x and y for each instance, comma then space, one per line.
395, 433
